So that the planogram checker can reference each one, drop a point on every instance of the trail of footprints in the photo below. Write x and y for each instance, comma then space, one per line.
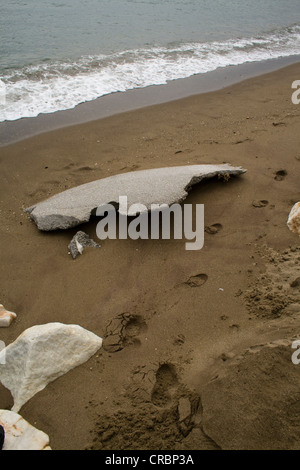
199, 280
157, 385
161, 387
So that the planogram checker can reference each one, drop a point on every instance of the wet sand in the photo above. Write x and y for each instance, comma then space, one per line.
195, 367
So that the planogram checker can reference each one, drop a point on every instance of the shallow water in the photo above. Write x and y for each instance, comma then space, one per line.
55, 55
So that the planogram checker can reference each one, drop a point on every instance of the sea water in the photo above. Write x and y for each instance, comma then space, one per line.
57, 54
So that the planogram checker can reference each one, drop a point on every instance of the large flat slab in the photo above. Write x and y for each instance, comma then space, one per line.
156, 186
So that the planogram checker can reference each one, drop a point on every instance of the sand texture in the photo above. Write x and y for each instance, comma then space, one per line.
196, 344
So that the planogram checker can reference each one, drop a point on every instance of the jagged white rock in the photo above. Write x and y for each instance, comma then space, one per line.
159, 185
294, 219
40, 355
6, 317
20, 435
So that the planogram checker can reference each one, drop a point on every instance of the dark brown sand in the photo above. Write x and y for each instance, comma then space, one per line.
195, 367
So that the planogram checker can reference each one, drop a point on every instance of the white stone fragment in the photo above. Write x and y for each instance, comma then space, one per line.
41, 354
6, 317
294, 219
20, 435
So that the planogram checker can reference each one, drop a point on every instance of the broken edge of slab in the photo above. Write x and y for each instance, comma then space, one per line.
76, 205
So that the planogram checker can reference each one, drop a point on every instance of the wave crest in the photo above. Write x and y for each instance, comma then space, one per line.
54, 86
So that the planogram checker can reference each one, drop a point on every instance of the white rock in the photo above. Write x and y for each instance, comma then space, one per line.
20, 435
41, 354
6, 317
294, 219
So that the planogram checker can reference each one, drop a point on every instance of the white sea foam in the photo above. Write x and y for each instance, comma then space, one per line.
50, 87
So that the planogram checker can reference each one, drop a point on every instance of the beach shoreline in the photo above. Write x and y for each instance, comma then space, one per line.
192, 367
119, 102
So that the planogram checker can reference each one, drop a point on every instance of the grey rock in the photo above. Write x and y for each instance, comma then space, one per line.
80, 241
156, 186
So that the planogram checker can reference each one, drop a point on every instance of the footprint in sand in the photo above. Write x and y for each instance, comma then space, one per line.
123, 331
235, 327
69, 166
280, 175
165, 385
260, 203
197, 281
213, 229
85, 168
133, 328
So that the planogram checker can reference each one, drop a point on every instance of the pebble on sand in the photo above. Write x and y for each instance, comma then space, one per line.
6, 317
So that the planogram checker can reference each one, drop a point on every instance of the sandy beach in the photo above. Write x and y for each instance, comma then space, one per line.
198, 367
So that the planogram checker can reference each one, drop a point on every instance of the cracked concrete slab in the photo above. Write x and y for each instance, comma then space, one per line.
156, 186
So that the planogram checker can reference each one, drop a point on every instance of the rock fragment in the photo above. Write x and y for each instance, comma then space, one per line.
20, 435
6, 317
40, 355
80, 241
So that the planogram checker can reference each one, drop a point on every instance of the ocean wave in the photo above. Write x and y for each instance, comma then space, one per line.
54, 86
